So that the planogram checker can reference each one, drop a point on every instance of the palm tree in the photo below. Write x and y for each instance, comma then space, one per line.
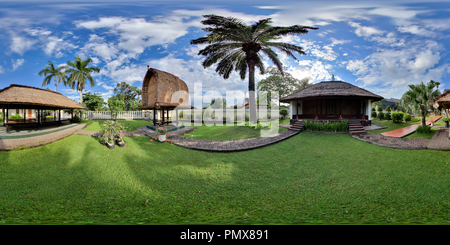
50, 72
236, 46
421, 95
79, 73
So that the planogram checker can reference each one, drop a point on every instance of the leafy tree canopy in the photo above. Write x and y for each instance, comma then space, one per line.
129, 95
93, 102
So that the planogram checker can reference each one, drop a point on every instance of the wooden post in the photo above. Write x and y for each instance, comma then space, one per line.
154, 116
6, 117
176, 112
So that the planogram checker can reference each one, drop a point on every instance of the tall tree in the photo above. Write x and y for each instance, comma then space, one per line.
285, 85
236, 46
79, 72
50, 71
421, 95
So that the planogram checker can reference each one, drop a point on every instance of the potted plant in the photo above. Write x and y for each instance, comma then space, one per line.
446, 120
120, 130
108, 133
162, 132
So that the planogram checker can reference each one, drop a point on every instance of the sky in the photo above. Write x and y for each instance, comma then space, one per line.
381, 46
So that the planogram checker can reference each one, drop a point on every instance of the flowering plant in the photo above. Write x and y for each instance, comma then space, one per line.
120, 130
161, 130
108, 129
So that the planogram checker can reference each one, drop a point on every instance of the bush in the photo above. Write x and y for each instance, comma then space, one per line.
374, 113
373, 109
407, 117
16, 116
284, 112
387, 116
341, 126
396, 117
380, 115
423, 129
76, 119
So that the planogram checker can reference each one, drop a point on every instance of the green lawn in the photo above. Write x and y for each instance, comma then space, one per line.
308, 178
131, 124
224, 132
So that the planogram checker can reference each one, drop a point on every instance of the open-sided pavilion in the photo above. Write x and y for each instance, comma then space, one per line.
31, 102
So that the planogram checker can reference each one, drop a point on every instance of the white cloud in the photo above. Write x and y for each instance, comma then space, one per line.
365, 31
21, 44
2, 70
395, 68
17, 63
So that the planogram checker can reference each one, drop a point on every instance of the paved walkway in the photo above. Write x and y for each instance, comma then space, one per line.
9, 144
440, 140
402, 132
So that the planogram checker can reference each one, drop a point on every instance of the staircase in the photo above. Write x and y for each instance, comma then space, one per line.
355, 127
298, 126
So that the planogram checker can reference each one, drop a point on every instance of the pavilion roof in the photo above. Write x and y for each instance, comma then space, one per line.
26, 97
442, 99
331, 89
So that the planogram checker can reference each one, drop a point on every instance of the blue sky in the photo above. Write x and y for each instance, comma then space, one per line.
381, 46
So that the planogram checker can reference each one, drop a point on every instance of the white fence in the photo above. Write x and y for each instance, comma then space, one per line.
196, 114
127, 115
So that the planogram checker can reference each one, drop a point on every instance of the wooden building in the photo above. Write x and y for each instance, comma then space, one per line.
29, 102
162, 93
331, 100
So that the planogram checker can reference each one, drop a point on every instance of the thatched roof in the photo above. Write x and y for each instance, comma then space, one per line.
26, 97
158, 88
331, 89
442, 100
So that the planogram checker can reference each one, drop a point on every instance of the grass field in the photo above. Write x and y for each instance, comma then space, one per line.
307, 179
224, 132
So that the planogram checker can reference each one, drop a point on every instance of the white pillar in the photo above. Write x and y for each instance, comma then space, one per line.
369, 109
293, 109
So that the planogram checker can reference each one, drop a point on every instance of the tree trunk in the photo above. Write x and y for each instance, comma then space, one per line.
251, 91
55, 86
423, 116
81, 97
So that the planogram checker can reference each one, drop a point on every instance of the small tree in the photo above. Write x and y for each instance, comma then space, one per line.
284, 112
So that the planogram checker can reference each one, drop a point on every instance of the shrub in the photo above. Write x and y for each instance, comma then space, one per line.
341, 126
387, 116
380, 108
423, 129
388, 109
407, 117
374, 113
380, 115
16, 116
76, 119
284, 112
373, 109
396, 117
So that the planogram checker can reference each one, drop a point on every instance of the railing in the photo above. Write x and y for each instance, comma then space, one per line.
127, 115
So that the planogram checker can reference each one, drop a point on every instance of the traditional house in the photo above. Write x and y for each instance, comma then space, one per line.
442, 101
331, 100
162, 93
29, 102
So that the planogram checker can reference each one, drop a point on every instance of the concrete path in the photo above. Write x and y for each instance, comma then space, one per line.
402, 132
9, 144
